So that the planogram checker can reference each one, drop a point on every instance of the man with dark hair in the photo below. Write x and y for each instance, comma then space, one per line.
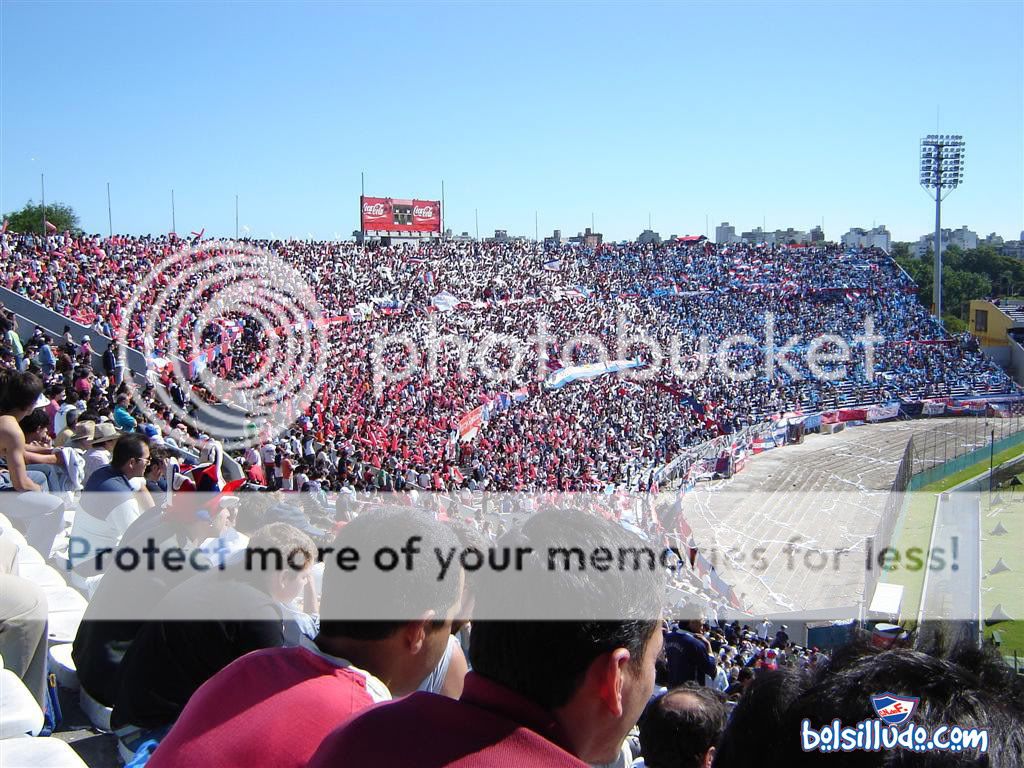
274, 707
680, 728
964, 686
542, 692
689, 654
754, 731
109, 504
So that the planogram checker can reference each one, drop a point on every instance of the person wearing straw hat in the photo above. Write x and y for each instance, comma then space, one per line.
78, 436
98, 454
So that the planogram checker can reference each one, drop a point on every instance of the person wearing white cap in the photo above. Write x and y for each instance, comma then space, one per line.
20, 394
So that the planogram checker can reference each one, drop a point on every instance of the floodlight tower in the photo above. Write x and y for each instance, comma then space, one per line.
942, 170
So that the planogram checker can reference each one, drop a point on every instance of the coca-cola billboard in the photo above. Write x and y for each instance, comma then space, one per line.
386, 214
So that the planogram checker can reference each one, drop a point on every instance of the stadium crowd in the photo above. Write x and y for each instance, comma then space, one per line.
288, 685
365, 427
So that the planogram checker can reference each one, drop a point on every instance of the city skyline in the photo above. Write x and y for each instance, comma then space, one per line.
538, 128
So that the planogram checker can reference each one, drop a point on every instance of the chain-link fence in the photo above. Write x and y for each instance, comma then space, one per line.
955, 445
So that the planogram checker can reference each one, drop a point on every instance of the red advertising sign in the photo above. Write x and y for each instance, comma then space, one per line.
386, 214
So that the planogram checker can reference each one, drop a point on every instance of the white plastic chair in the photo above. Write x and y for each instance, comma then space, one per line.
46, 752
19, 712
98, 714
63, 666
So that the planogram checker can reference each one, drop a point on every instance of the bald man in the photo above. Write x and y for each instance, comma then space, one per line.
681, 728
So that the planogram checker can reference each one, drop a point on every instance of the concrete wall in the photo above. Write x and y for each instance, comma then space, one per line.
31, 313
1016, 364
220, 422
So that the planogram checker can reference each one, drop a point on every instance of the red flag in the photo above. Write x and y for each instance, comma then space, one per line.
50, 227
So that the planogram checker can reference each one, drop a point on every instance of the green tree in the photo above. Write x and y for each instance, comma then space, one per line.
30, 218
954, 324
901, 251
959, 287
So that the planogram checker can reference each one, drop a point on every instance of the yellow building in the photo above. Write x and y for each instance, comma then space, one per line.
999, 330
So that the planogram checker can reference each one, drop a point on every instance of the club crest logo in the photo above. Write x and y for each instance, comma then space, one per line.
892, 709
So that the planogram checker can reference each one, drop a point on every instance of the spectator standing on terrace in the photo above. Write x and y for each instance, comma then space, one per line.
236, 717
541, 693
689, 654
46, 357
10, 328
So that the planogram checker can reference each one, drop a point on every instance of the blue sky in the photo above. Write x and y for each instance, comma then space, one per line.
742, 112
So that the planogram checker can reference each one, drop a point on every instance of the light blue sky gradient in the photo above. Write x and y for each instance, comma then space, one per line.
740, 112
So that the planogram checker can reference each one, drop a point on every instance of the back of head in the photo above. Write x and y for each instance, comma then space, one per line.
754, 729
374, 597
19, 390
680, 727
279, 547
601, 609
964, 686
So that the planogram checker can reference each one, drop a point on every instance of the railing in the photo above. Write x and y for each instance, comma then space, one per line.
938, 455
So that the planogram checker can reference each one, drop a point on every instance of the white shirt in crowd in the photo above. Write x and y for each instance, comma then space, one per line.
94, 459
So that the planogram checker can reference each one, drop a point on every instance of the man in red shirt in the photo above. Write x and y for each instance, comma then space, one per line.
541, 693
274, 707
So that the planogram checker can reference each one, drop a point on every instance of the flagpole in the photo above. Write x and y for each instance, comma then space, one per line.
362, 194
236, 217
42, 194
174, 226
442, 209
110, 219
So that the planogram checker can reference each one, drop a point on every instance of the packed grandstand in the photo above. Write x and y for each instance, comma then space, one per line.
629, 389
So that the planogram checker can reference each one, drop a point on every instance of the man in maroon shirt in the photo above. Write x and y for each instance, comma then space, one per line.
274, 707
541, 693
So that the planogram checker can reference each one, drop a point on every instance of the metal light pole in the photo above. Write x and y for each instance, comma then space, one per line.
991, 466
110, 218
942, 170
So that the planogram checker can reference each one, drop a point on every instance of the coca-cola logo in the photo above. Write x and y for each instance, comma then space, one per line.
423, 211
373, 209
